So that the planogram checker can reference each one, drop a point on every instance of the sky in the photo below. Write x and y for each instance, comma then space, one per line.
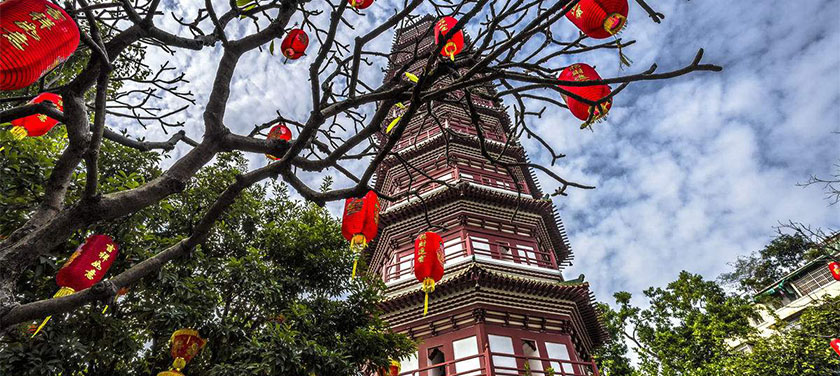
690, 172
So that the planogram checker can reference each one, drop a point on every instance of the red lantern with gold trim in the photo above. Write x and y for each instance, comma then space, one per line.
185, 345
578, 73
835, 344
428, 263
392, 370
599, 19
834, 267
360, 223
278, 132
455, 44
39, 124
85, 267
360, 4
37, 35
294, 44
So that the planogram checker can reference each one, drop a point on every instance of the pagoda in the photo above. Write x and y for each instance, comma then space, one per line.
503, 306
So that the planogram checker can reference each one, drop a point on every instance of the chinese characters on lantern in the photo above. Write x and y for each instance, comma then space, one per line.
35, 36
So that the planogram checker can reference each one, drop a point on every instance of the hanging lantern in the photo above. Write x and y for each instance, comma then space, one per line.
835, 344
599, 19
428, 263
39, 124
185, 345
360, 223
583, 72
37, 35
278, 132
455, 44
360, 4
834, 267
392, 370
85, 267
294, 44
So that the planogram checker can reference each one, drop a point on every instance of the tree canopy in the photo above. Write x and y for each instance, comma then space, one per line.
695, 327
269, 288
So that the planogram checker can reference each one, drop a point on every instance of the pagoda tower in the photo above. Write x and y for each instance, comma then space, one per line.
503, 306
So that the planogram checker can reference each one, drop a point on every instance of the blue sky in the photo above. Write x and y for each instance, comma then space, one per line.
691, 172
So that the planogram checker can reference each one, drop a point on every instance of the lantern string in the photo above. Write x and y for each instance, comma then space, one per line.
64, 291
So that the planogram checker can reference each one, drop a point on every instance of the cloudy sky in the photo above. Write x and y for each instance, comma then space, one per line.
691, 172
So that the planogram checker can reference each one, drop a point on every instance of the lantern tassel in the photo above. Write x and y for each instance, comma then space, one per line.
623, 60
19, 133
357, 244
428, 286
64, 291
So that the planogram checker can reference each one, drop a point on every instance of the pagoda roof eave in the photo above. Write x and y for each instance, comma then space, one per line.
578, 293
443, 194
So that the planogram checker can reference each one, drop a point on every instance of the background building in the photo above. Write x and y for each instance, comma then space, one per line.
503, 306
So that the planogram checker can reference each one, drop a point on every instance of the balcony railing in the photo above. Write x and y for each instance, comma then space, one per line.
482, 365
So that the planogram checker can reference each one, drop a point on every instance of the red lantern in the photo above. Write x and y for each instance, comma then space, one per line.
185, 345
360, 222
834, 267
278, 132
37, 35
599, 19
38, 124
428, 262
583, 72
455, 44
392, 370
835, 344
294, 44
360, 4
85, 267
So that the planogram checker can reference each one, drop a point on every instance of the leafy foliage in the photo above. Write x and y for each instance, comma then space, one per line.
683, 332
693, 327
783, 255
269, 288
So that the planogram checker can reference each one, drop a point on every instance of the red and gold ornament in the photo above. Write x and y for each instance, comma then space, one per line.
185, 345
35, 37
85, 267
453, 45
578, 73
599, 19
294, 44
835, 344
278, 132
392, 370
360, 4
360, 223
429, 259
834, 267
39, 124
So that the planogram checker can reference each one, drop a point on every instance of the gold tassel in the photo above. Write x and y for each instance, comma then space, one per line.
393, 123
452, 56
19, 133
357, 244
428, 286
64, 291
